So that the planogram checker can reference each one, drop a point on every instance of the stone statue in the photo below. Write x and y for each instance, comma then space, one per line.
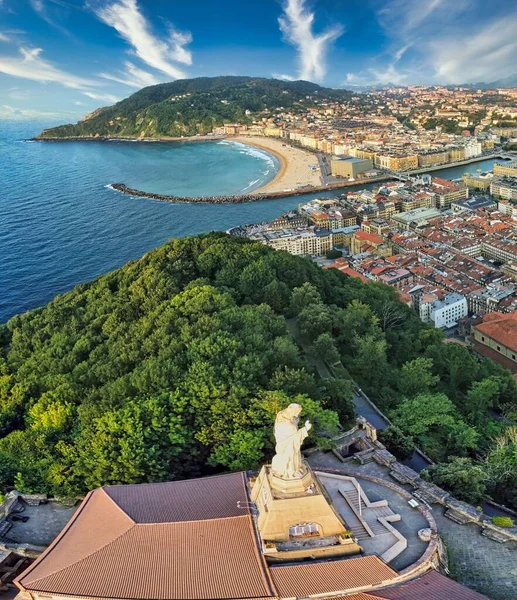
287, 462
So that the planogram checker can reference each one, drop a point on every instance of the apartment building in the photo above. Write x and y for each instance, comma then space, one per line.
309, 242
446, 191
501, 250
506, 168
448, 311
430, 159
506, 188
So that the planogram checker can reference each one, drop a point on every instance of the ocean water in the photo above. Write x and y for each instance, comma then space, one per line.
60, 225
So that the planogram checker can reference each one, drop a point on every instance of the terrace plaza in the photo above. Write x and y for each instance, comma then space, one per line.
286, 532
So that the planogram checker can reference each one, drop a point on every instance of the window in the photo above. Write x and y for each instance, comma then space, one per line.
304, 530
498, 348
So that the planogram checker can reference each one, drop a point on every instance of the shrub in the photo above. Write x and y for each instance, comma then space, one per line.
503, 521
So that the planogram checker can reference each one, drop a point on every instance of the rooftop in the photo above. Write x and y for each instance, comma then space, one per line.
501, 327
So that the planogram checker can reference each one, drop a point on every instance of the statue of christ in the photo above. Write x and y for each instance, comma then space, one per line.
287, 462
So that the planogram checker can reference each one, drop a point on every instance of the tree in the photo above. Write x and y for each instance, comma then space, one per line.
461, 477
416, 377
432, 420
481, 396
337, 394
304, 296
396, 442
314, 320
502, 466
324, 347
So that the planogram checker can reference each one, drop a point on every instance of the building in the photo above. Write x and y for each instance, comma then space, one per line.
415, 219
447, 312
501, 250
496, 338
471, 205
166, 541
456, 154
349, 167
481, 181
369, 242
505, 188
397, 162
506, 168
446, 191
312, 241
430, 159
343, 236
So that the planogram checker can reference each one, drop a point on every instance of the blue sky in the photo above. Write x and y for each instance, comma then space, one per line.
63, 58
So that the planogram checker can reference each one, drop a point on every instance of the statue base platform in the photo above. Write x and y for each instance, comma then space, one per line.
296, 518
288, 487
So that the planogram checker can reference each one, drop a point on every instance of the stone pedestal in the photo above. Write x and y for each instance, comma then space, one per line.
283, 504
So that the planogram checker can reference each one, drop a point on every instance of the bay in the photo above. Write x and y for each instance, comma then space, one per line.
60, 225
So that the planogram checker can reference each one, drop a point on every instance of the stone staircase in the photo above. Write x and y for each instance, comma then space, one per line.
368, 520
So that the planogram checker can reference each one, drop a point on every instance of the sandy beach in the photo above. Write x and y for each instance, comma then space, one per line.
295, 170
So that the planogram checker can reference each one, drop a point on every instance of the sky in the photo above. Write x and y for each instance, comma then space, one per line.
64, 58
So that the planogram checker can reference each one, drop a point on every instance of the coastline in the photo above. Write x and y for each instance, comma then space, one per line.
295, 170
295, 165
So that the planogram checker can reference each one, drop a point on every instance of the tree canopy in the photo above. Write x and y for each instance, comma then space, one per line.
175, 365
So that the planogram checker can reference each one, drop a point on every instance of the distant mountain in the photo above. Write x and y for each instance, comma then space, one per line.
191, 106
507, 82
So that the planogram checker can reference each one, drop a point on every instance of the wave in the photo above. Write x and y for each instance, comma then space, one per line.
255, 152
251, 184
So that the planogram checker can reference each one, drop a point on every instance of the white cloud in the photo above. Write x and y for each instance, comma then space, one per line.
40, 7
389, 75
126, 18
79, 103
451, 42
485, 55
12, 112
178, 42
283, 77
102, 97
296, 24
132, 76
18, 94
31, 65
3, 37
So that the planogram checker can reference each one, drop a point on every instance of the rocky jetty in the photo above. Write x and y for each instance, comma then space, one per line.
234, 198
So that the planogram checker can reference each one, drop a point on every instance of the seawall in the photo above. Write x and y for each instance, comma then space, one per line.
240, 198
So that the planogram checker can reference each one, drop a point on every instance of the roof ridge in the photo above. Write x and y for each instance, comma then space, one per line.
157, 483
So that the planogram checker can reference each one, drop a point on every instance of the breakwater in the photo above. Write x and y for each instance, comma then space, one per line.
240, 198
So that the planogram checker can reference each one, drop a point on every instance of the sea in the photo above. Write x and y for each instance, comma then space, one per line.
60, 223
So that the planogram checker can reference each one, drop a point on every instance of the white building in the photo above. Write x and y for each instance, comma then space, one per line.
447, 312
473, 148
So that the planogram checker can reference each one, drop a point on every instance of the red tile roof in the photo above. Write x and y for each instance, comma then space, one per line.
368, 237
431, 586
303, 580
501, 328
151, 502
193, 542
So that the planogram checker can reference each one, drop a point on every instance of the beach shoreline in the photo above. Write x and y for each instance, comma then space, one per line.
296, 164
295, 170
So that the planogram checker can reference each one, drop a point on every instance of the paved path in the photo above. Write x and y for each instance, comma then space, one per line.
477, 562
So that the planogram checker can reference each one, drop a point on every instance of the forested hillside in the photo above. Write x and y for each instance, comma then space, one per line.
176, 364
191, 106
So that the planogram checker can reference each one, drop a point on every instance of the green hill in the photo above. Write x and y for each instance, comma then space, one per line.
191, 106
176, 364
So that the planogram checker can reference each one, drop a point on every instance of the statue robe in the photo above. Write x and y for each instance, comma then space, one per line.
287, 462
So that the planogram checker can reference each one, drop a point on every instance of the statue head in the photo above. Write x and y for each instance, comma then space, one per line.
294, 409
